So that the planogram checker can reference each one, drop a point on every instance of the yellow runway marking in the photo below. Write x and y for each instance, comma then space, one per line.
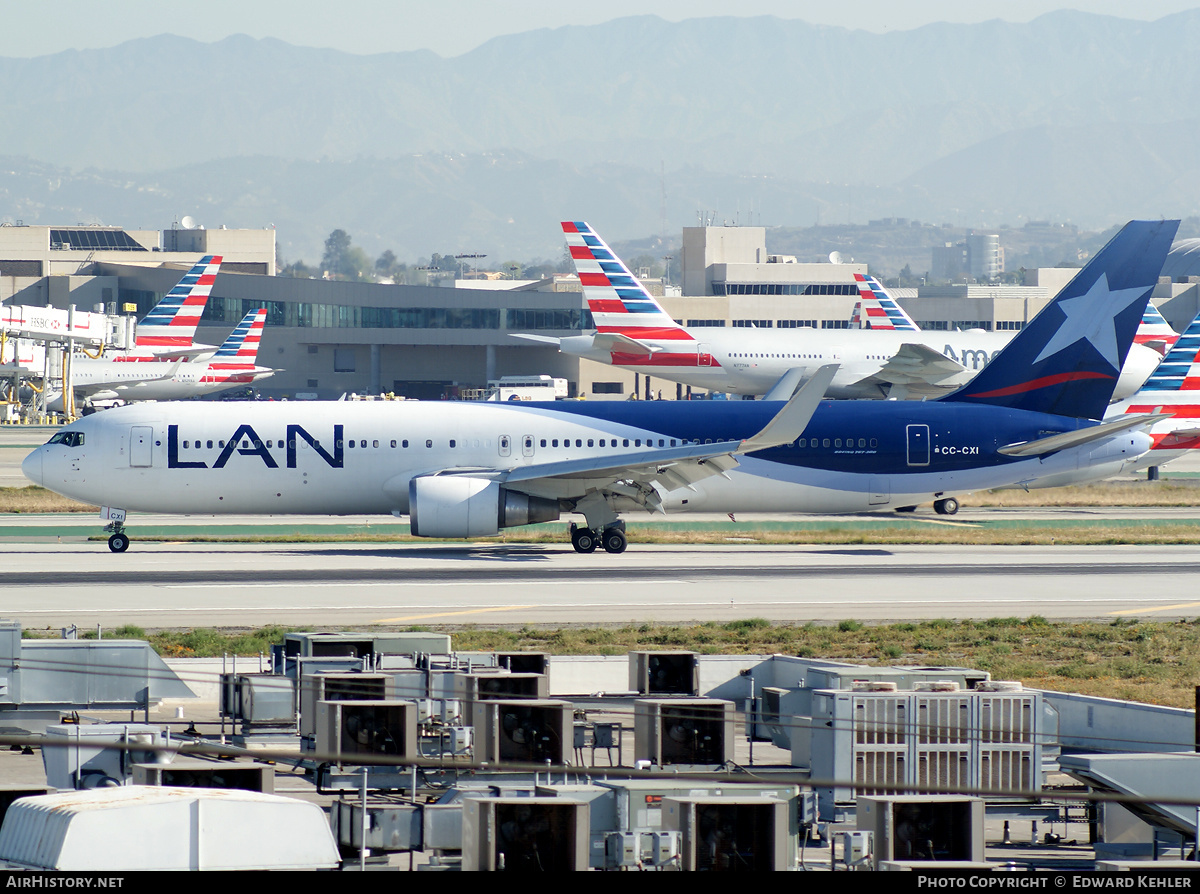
1161, 608
471, 611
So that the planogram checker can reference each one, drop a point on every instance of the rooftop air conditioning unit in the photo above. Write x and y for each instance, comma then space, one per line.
533, 731
923, 827
664, 673
525, 834
694, 731
350, 729
316, 688
731, 833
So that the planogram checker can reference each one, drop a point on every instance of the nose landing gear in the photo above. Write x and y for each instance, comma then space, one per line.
119, 541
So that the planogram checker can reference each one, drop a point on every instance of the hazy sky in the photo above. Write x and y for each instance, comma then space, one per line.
451, 27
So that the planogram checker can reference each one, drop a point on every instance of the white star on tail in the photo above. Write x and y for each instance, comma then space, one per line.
1093, 316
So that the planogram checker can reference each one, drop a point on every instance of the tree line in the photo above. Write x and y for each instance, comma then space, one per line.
346, 262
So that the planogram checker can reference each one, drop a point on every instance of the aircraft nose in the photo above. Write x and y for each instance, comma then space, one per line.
31, 467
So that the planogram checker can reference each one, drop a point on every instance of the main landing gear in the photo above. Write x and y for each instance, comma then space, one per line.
948, 506
612, 538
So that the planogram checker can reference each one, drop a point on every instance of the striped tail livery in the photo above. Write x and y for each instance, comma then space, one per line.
876, 309
629, 323
1174, 388
171, 324
234, 361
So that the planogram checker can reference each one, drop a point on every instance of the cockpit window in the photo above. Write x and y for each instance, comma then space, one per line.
68, 439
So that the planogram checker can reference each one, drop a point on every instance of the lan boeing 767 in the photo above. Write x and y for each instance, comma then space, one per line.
469, 469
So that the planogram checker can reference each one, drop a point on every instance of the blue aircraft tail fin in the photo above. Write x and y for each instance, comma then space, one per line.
1067, 360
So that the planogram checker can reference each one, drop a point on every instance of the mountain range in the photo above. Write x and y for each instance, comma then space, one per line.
638, 125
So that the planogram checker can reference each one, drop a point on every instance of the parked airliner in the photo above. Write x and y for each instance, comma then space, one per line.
232, 365
635, 333
469, 469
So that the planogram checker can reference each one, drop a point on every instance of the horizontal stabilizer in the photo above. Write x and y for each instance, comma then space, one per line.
615, 341
1082, 436
544, 339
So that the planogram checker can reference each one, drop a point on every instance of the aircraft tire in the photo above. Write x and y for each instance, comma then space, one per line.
614, 540
584, 540
948, 506
118, 543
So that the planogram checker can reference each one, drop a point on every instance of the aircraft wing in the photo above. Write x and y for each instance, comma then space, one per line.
1083, 436
917, 370
643, 474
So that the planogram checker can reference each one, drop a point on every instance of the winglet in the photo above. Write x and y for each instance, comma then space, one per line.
786, 386
790, 422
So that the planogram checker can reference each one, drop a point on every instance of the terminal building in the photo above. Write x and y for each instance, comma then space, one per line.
330, 338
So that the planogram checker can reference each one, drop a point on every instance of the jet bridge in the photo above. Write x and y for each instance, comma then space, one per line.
21, 325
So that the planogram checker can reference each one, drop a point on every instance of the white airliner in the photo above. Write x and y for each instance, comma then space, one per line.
232, 365
635, 333
469, 469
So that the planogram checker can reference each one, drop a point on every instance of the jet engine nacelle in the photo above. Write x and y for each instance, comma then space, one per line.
460, 506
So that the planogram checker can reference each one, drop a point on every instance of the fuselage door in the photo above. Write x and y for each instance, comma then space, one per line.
527, 445
703, 356
141, 446
505, 444
918, 445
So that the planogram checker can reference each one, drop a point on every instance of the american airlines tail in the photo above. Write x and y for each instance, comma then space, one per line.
618, 302
629, 322
171, 324
244, 340
876, 309
1155, 332
1174, 388
234, 361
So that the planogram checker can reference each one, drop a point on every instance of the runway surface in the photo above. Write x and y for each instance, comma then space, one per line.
187, 585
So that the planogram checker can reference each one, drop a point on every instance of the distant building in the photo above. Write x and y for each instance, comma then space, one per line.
984, 258
949, 261
980, 258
